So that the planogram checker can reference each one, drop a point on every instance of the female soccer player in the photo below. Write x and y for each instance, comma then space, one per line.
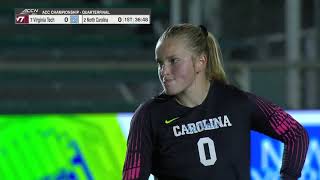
199, 126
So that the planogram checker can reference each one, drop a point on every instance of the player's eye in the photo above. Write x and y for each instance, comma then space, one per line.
173, 61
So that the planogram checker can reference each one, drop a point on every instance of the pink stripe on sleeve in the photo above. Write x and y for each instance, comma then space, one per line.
289, 131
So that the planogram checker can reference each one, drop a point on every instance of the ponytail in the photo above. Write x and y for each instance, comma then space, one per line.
215, 70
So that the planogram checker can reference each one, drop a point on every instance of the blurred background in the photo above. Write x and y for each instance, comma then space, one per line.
270, 48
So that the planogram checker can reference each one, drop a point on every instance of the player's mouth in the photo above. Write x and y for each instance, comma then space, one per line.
167, 81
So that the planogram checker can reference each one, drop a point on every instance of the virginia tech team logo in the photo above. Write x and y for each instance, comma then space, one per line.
22, 15
22, 19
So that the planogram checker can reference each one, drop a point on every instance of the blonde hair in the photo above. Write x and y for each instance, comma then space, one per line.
199, 40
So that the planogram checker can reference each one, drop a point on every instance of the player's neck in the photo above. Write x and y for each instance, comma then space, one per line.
195, 95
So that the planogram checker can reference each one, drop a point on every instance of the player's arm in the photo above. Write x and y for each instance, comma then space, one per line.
273, 121
139, 147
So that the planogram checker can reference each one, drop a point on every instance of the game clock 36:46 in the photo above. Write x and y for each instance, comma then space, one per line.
141, 19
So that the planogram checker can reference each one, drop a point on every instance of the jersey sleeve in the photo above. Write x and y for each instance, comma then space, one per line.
137, 165
273, 121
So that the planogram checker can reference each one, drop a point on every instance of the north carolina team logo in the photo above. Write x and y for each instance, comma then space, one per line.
22, 19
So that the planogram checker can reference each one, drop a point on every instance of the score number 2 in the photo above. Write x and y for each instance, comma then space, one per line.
212, 151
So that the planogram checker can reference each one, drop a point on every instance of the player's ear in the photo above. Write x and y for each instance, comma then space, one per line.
201, 63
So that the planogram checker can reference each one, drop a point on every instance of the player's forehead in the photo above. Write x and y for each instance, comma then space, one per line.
170, 47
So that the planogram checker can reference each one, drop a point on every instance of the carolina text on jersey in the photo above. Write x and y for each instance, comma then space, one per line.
203, 125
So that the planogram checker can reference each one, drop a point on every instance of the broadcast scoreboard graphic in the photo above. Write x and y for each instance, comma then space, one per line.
83, 16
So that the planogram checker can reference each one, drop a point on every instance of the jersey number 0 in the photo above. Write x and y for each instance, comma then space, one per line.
212, 151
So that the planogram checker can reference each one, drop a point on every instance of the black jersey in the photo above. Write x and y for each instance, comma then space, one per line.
209, 141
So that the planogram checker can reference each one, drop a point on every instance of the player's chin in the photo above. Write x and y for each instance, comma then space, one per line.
170, 92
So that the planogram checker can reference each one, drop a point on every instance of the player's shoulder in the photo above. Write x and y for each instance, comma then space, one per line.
230, 89
233, 96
